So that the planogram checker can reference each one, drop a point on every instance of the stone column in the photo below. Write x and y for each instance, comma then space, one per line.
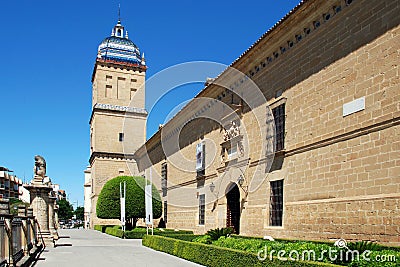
5, 220
31, 218
56, 219
40, 205
24, 238
51, 216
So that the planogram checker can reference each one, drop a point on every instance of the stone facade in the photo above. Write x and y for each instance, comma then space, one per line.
340, 172
87, 190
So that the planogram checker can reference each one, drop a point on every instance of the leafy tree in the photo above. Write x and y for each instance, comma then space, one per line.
108, 203
65, 209
79, 213
14, 203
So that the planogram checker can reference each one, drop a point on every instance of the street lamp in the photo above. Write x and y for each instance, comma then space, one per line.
240, 180
212, 187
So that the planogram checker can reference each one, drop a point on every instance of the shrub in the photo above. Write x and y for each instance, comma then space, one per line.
139, 232
115, 232
373, 259
214, 234
108, 203
255, 245
362, 246
102, 228
205, 239
210, 255
185, 237
134, 235
142, 229
369, 258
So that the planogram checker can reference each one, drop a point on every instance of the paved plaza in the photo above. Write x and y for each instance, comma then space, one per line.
79, 247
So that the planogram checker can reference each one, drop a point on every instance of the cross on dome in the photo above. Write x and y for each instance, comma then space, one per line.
118, 30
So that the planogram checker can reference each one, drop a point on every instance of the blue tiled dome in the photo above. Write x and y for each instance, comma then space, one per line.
119, 48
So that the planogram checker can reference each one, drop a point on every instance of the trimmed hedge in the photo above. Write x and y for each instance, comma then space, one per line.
164, 230
185, 237
211, 256
115, 232
134, 235
102, 228
377, 262
255, 245
283, 240
138, 233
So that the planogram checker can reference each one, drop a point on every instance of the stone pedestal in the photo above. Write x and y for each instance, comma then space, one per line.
52, 225
56, 219
40, 203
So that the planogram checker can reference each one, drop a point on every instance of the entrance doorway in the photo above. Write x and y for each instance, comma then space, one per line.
233, 207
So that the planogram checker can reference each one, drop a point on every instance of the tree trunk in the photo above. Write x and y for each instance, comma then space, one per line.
131, 223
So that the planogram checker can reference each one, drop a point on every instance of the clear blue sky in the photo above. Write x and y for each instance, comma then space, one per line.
49, 49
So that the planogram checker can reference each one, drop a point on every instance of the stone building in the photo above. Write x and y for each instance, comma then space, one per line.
118, 120
10, 184
304, 136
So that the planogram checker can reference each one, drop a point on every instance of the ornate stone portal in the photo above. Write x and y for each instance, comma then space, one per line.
42, 201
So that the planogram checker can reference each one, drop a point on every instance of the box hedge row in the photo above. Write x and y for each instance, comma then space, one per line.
184, 235
211, 256
115, 232
102, 228
139, 232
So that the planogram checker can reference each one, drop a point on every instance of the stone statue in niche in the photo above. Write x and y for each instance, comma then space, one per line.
241, 149
223, 158
40, 166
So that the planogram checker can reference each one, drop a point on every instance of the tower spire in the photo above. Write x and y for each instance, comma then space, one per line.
119, 13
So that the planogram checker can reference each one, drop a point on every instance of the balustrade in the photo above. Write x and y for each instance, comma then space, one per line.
19, 235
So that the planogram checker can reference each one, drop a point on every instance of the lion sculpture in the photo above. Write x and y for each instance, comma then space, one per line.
40, 166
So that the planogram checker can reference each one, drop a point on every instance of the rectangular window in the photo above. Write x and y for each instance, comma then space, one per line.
279, 118
276, 203
232, 151
133, 91
202, 209
120, 84
165, 211
108, 91
164, 177
121, 137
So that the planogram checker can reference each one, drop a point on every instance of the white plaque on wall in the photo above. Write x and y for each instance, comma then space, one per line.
354, 106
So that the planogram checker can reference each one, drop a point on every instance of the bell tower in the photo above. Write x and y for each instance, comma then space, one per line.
118, 119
